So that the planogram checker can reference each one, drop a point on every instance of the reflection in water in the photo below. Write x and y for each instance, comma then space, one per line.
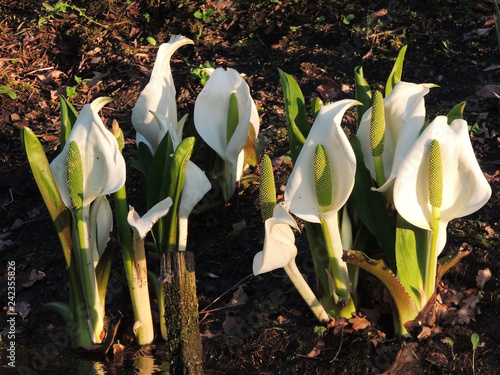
42, 359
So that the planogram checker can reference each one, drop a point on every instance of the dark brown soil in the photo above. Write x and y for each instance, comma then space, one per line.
451, 43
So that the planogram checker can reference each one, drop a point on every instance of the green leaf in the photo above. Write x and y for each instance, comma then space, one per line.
457, 112
406, 308
166, 179
68, 119
363, 92
371, 206
145, 157
396, 72
296, 116
411, 253
316, 104
48, 188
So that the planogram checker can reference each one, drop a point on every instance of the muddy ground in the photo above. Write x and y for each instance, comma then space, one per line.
252, 325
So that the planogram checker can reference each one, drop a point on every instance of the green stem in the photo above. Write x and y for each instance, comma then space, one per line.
305, 291
337, 268
431, 262
379, 170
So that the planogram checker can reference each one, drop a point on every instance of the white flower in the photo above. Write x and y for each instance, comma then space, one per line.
158, 96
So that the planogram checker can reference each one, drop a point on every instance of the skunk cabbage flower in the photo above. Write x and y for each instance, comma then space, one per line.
103, 167
404, 112
457, 189
223, 112
158, 96
280, 252
321, 182
301, 187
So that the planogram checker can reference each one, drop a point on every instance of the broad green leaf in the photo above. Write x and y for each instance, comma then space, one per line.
371, 206
68, 119
363, 92
48, 188
457, 112
406, 308
166, 179
411, 253
396, 72
296, 116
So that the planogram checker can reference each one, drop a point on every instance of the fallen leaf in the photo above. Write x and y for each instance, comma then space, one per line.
489, 91
317, 349
467, 312
239, 297
330, 90
282, 320
482, 31
482, 277
359, 322
118, 348
33, 277
23, 308
406, 362
491, 67
426, 333
239, 225
231, 325
17, 223
437, 358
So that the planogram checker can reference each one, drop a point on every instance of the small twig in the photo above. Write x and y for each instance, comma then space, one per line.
388, 32
340, 347
40, 70
205, 310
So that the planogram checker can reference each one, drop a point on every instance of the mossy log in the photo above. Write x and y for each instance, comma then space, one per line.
181, 313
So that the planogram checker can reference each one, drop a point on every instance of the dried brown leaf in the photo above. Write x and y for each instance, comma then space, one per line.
482, 277
359, 322
437, 358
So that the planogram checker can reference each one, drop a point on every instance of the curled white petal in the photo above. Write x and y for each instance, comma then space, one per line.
142, 225
279, 243
101, 224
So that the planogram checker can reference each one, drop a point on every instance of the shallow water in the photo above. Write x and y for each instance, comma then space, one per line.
51, 359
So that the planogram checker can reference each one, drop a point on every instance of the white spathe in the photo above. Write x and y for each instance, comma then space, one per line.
465, 189
404, 112
300, 189
104, 169
211, 111
158, 95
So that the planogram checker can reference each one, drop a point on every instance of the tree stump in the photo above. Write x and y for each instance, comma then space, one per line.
181, 313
